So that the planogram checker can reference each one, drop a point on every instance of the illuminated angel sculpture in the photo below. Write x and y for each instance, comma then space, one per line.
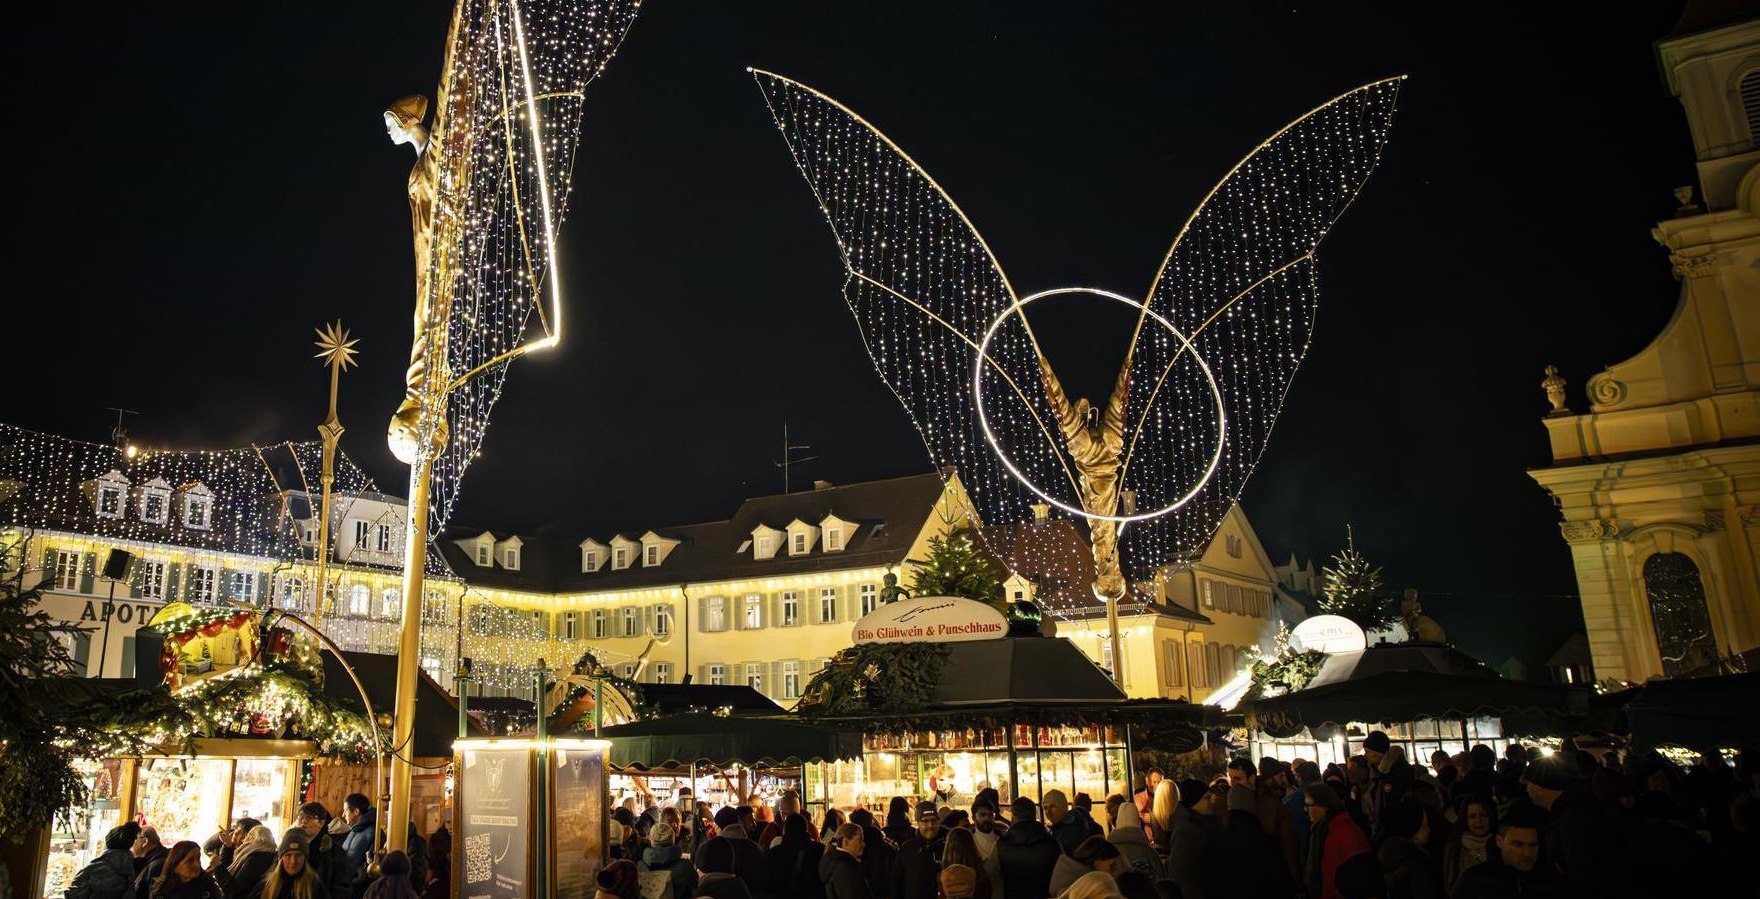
1216, 343
487, 195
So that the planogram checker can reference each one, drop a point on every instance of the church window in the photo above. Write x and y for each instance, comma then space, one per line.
1750, 90
1678, 613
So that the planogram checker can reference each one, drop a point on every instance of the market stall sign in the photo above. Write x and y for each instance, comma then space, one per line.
1331, 634
931, 619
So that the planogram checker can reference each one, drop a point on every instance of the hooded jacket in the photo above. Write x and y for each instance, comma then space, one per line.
1027, 854
1074, 827
841, 874
109, 876
670, 860
1127, 835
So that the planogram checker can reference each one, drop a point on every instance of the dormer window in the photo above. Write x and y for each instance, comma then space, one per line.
198, 506
589, 560
833, 539
483, 554
800, 545
510, 558
620, 559
108, 498
765, 547
155, 501
651, 555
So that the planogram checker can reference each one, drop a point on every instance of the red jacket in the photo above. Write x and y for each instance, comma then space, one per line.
1343, 840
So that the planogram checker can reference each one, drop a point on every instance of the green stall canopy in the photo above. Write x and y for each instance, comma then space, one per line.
1412, 696
680, 740
1696, 712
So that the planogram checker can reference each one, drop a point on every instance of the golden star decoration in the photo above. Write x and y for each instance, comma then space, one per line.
334, 345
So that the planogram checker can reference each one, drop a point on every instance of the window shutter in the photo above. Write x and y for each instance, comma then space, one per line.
87, 571
172, 589
773, 681
648, 618
640, 623
82, 653
702, 674
703, 614
773, 609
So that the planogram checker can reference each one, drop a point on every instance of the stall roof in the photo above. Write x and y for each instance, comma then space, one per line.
1021, 669
436, 712
679, 740
669, 699
1407, 695
1697, 712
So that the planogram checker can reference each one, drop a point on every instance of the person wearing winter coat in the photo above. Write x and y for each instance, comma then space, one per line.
877, 853
1095, 854
394, 878
962, 849
716, 866
1127, 835
1093, 885
898, 821
1333, 837
1517, 869
1027, 853
357, 843
1244, 860
1473, 841
322, 852
915, 869
149, 860
663, 855
1069, 824
840, 869
1191, 827
182, 877
251, 860
293, 876
1407, 867
439, 885
618, 879
111, 874
793, 862
1268, 807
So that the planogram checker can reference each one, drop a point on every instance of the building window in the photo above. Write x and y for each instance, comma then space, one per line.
765, 547
109, 501
827, 604
384, 541
833, 539
1749, 87
571, 625
754, 611
663, 672
155, 501
1209, 595
67, 570
242, 586
201, 584
510, 559
601, 624
651, 556
791, 608
153, 580
619, 559
791, 680
1678, 613
870, 598
362, 533
390, 599
718, 675
1173, 664
755, 676
589, 560
197, 509
360, 600
632, 618
483, 551
715, 613
541, 622
800, 544
293, 593
662, 620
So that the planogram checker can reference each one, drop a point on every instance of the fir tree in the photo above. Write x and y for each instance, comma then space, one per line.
1351, 588
956, 568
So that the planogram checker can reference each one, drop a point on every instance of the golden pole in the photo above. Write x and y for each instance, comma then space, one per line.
338, 353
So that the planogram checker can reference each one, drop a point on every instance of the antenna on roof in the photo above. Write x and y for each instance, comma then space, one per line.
119, 436
788, 456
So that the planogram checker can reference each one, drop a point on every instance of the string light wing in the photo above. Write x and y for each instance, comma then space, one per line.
1240, 280
509, 126
924, 288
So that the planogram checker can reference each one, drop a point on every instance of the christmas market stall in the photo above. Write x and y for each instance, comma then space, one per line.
229, 726
1017, 712
1319, 699
1697, 713
722, 756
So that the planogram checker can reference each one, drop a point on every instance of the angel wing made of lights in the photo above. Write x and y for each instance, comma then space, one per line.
1238, 288
509, 121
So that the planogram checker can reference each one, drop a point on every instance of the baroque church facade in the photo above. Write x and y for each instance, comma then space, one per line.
1658, 482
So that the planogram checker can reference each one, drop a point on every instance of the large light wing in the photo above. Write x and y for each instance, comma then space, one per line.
1240, 284
924, 289
509, 122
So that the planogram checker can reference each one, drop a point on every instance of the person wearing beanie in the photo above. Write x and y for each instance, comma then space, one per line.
111, 874
959, 882
717, 866
394, 878
1245, 860
1409, 869
1333, 837
1094, 854
1028, 853
293, 876
617, 880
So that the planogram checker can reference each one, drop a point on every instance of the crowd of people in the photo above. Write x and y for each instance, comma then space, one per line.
320, 857
1468, 826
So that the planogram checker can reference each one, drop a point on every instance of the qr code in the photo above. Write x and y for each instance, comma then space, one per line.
479, 862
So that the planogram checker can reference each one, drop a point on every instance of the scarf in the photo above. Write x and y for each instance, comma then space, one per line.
260, 839
1473, 849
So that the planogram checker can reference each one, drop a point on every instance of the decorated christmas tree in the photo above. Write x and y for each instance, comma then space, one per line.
956, 568
1351, 588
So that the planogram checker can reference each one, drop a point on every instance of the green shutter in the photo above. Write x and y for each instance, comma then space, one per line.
88, 564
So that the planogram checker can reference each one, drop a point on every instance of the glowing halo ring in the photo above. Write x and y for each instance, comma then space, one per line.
1019, 307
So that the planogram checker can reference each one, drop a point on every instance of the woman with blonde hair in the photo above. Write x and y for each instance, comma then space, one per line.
292, 878
1161, 807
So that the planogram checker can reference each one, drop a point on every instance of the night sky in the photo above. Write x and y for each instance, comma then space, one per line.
192, 192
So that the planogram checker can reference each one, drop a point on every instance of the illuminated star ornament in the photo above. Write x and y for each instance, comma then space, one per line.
335, 347
1219, 334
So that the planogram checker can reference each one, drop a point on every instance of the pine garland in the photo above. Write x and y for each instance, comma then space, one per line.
1286, 670
875, 678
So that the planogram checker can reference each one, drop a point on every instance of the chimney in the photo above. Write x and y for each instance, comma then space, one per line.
1128, 499
1041, 512
822, 485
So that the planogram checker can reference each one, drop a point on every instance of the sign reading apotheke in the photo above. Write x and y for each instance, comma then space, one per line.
930, 619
